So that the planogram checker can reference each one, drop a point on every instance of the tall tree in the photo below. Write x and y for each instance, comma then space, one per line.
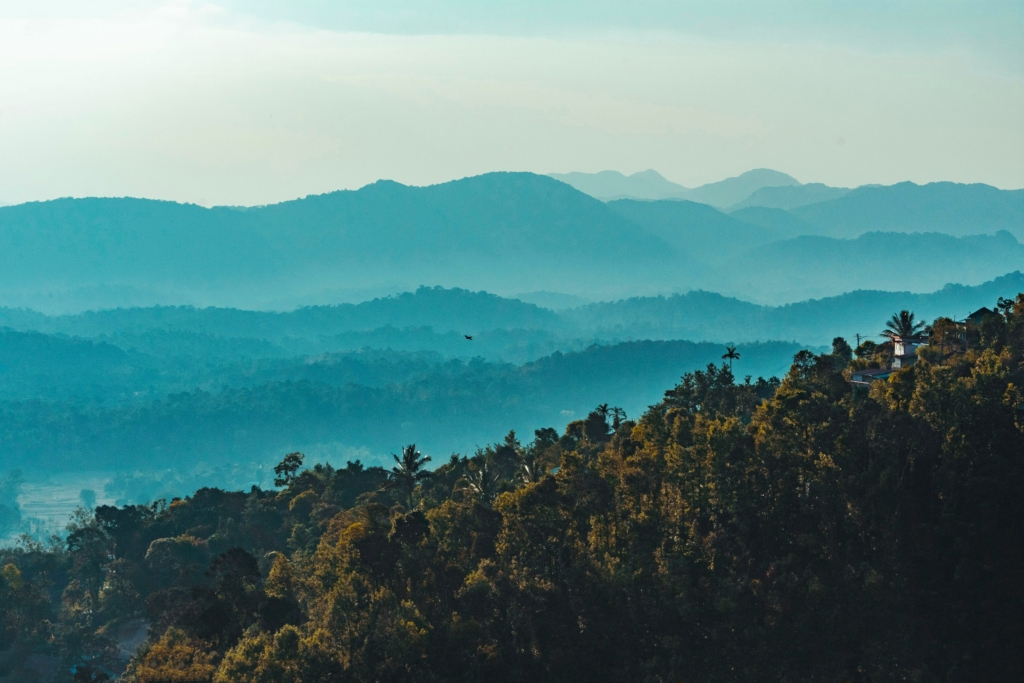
409, 471
287, 468
730, 355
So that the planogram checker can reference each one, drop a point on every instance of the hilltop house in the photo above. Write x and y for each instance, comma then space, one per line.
979, 315
904, 350
904, 354
863, 378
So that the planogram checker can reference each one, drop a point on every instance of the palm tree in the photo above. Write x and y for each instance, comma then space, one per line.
409, 471
731, 354
482, 481
532, 470
618, 417
902, 324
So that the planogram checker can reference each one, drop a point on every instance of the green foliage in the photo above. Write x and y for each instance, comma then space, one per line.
286, 469
409, 471
902, 324
799, 530
359, 400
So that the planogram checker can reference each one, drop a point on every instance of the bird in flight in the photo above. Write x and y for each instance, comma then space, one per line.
468, 337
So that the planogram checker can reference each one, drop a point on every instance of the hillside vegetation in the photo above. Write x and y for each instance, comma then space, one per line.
127, 418
735, 531
503, 329
159, 394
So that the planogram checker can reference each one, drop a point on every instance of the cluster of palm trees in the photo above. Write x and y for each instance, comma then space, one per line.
617, 414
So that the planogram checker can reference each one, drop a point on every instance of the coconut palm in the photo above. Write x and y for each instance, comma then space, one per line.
409, 472
482, 481
618, 417
730, 354
902, 324
531, 471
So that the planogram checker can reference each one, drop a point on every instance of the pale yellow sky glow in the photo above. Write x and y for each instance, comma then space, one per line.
194, 103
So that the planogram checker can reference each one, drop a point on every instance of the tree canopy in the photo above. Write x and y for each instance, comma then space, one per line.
902, 324
802, 530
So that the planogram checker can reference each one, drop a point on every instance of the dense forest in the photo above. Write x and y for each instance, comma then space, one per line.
801, 530
114, 410
138, 404
510, 330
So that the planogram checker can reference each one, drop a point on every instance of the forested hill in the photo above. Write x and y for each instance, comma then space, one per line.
804, 530
442, 309
705, 315
135, 412
508, 328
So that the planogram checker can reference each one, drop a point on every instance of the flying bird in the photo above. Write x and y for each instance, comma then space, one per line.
468, 337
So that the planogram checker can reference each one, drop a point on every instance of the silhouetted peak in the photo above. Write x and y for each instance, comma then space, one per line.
768, 176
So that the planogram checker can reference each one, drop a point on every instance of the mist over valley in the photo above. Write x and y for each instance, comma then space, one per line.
306, 326
431, 341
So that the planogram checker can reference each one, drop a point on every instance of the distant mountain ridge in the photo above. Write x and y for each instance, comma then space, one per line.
607, 185
178, 386
444, 309
790, 196
696, 316
709, 316
807, 265
726, 193
611, 185
952, 208
702, 232
500, 232
782, 222
773, 255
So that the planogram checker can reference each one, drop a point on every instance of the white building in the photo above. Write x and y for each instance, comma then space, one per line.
904, 350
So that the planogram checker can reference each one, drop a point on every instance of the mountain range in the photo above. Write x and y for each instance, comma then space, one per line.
142, 336
171, 387
807, 265
607, 185
502, 232
790, 196
952, 208
408, 322
649, 184
511, 230
710, 316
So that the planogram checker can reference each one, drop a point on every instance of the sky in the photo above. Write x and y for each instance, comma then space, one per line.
258, 101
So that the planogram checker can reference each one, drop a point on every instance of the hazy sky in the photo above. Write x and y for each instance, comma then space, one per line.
255, 101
